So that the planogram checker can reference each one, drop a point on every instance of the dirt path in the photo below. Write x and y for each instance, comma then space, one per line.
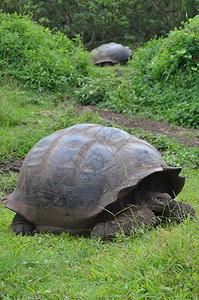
188, 137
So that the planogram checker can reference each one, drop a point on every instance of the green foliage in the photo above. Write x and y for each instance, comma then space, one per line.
168, 82
7, 182
177, 51
26, 117
36, 57
185, 113
94, 90
167, 56
162, 82
90, 19
126, 21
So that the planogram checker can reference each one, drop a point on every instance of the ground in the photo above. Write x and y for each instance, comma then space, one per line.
188, 137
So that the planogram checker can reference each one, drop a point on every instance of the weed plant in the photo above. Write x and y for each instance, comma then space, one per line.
37, 58
166, 77
162, 81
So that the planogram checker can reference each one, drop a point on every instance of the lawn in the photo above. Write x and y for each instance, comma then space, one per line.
158, 264
43, 75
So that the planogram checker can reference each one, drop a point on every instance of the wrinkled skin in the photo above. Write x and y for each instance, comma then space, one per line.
22, 226
126, 222
151, 208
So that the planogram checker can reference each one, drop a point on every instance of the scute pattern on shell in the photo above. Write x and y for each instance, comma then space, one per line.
70, 176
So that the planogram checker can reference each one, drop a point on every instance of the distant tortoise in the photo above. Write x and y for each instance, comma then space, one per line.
111, 54
93, 179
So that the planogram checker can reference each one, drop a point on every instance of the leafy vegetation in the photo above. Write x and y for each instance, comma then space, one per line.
157, 264
162, 82
168, 81
130, 22
37, 58
26, 117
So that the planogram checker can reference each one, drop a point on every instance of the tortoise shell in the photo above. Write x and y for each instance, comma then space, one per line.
111, 53
70, 176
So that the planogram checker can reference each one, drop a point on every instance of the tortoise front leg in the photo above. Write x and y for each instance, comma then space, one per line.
22, 226
178, 211
126, 221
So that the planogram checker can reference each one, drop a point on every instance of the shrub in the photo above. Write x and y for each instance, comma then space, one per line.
93, 91
178, 51
162, 82
36, 57
165, 81
161, 58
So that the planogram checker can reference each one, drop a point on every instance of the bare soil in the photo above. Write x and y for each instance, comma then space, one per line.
188, 137
14, 166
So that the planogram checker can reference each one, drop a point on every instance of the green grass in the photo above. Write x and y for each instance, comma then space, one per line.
7, 182
160, 82
26, 117
157, 264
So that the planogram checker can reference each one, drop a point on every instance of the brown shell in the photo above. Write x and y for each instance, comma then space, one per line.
69, 177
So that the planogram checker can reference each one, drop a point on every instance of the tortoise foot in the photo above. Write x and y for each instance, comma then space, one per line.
22, 226
125, 222
178, 211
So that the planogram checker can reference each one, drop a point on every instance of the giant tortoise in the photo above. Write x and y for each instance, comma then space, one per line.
111, 54
94, 179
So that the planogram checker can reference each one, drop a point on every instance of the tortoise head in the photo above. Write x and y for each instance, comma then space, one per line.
154, 200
